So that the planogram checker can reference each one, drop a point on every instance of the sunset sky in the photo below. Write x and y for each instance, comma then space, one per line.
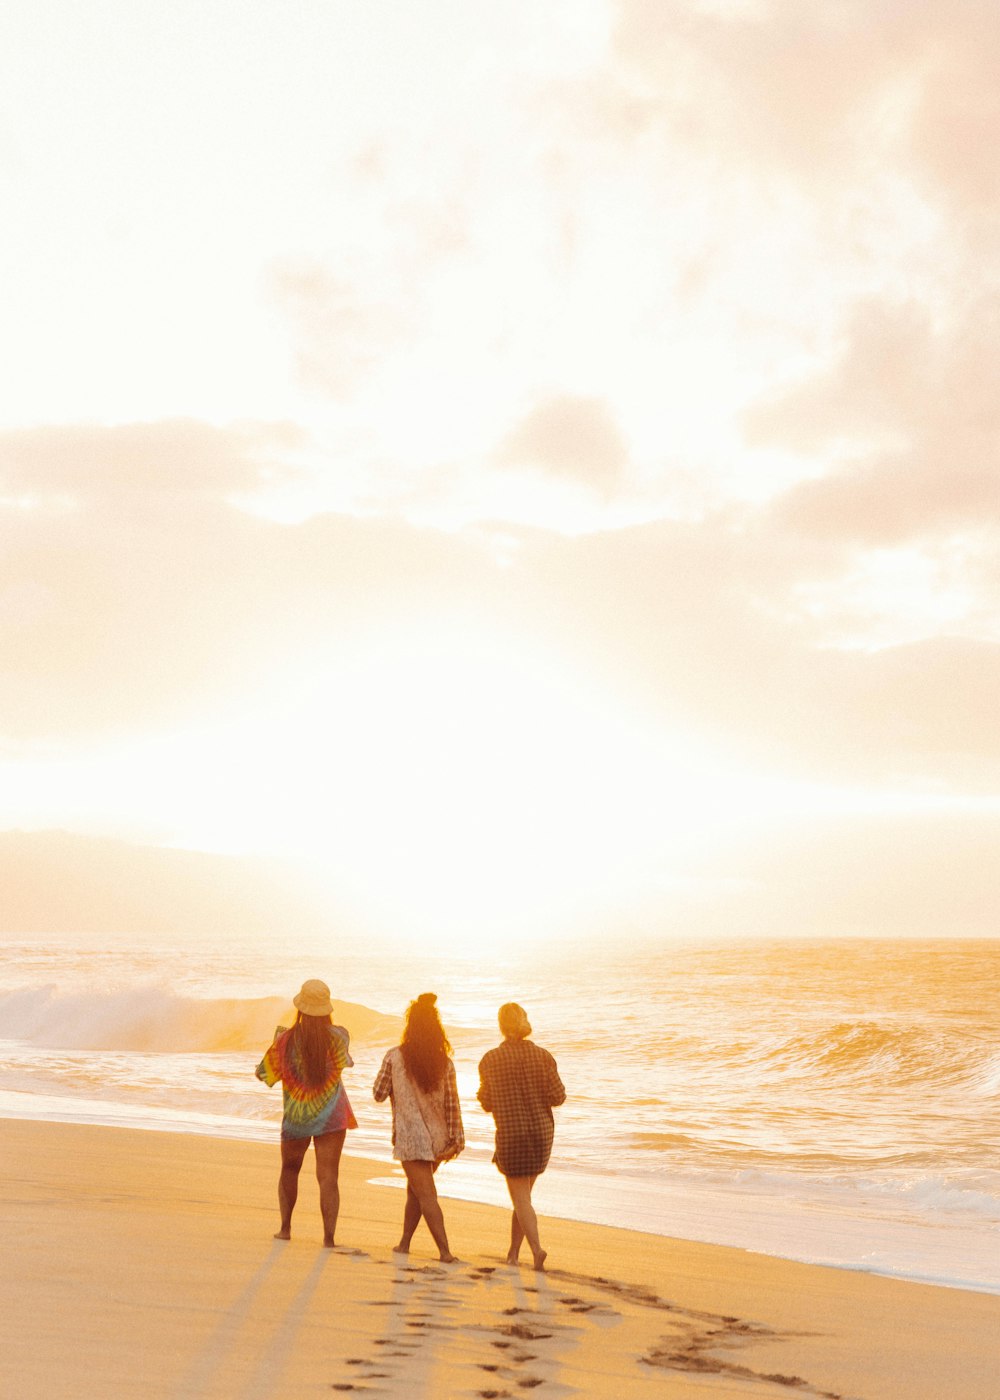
538, 463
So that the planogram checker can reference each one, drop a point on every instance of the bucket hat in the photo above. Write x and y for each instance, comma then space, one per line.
314, 999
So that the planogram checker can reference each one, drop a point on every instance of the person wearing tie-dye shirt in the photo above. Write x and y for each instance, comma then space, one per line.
308, 1058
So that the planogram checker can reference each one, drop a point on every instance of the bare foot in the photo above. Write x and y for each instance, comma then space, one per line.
540, 1261
329, 1242
401, 1249
511, 1257
449, 1259
285, 1233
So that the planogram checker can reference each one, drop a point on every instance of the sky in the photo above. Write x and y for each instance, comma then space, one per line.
535, 464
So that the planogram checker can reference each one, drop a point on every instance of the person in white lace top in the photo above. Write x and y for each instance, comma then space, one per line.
419, 1077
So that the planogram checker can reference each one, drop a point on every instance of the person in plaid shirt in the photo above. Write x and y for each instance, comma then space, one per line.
419, 1077
520, 1085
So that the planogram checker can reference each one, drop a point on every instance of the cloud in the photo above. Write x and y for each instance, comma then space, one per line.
118, 616
115, 621
787, 82
569, 436
824, 91
751, 244
339, 331
911, 412
659, 224
879, 384
175, 459
921, 874
695, 623
898, 498
956, 113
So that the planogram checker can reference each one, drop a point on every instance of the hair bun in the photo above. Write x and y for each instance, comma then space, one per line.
514, 1021
427, 999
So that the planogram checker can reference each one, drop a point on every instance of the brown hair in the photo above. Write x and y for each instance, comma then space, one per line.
424, 1044
311, 1042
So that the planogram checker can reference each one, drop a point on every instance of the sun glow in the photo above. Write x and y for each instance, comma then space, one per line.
459, 785
440, 782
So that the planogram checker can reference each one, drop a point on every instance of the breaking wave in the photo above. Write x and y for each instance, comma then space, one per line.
152, 1018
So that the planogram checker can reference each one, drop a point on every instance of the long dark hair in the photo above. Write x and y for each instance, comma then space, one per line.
311, 1040
424, 1044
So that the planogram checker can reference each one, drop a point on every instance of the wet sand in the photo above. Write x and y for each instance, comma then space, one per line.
142, 1264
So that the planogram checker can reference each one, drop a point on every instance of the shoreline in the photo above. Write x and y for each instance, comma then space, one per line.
144, 1265
697, 1213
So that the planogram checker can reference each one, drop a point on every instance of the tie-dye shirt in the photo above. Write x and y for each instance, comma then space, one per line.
310, 1109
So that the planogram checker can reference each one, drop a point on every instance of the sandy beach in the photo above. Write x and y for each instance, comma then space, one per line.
142, 1264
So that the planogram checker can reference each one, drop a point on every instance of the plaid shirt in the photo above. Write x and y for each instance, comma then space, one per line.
520, 1085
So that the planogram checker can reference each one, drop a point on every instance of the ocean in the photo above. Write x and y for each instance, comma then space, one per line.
836, 1102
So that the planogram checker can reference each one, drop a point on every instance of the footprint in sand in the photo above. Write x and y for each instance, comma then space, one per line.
700, 1337
396, 1342
579, 1304
524, 1334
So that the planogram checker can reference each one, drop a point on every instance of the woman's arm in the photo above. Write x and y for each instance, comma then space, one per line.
556, 1088
269, 1069
453, 1114
342, 1039
382, 1088
485, 1095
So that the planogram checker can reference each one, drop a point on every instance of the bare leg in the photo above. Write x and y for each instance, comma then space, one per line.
293, 1150
412, 1215
328, 1149
516, 1229
526, 1220
411, 1219
420, 1176
516, 1237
